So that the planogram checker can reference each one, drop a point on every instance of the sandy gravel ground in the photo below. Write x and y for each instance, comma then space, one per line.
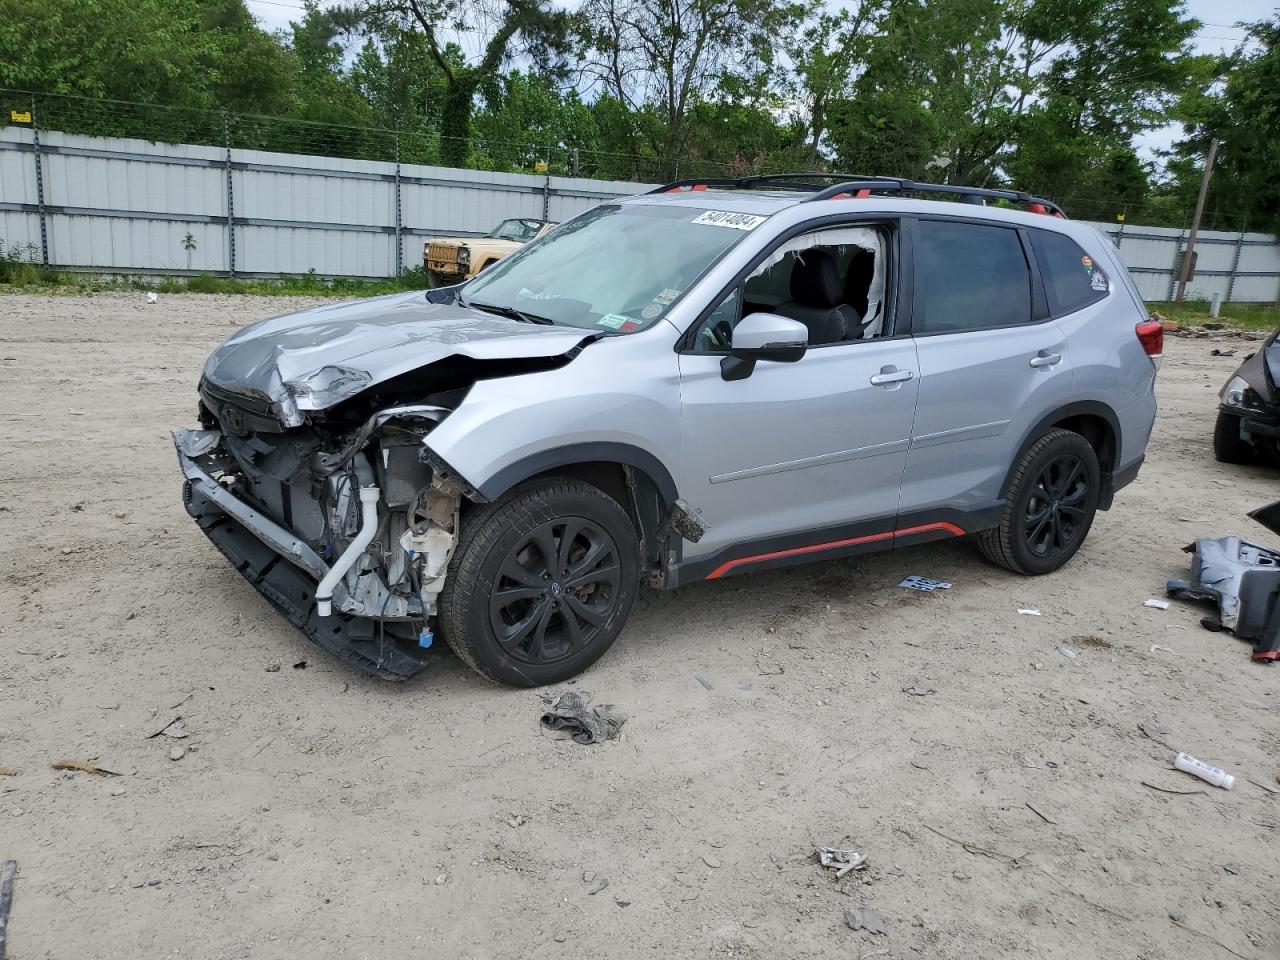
996, 786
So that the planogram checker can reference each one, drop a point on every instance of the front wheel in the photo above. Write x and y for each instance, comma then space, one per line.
541, 583
1050, 503
1228, 445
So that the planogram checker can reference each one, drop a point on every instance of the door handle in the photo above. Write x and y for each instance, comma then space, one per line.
889, 375
1043, 359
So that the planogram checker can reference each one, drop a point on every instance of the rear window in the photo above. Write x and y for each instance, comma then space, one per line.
1071, 277
972, 277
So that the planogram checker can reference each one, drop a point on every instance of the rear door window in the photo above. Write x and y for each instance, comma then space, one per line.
1071, 277
969, 277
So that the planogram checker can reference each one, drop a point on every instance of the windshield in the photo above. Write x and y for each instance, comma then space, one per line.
521, 230
618, 267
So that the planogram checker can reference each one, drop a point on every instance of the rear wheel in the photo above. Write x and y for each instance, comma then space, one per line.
1050, 503
1228, 445
542, 582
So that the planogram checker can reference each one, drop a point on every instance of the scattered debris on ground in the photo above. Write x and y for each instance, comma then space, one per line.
1198, 768
864, 918
924, 584
84, 766
7, 874
572, 718
841, 861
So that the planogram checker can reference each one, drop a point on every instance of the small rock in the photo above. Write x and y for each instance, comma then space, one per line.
865, 919
588, 876
177, 753
711, 862
560, 937
441, 878
597, 886
1231, 868
66, 551
273, 667
623, 903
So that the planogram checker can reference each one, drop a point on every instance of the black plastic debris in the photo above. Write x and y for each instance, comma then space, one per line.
1243, 579
7, 873
571, 717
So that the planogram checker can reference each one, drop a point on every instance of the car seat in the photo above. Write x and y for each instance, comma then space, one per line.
817, 297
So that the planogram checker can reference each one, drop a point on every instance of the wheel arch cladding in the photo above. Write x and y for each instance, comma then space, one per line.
635, 478
1091, 419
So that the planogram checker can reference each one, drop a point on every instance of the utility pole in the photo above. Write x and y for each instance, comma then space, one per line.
1184, 273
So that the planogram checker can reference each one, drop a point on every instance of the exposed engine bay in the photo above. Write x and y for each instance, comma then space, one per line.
373, 525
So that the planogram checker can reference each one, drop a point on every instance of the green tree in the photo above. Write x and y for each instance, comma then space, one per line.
1240, 104
1112, 69
658, 58
504, 29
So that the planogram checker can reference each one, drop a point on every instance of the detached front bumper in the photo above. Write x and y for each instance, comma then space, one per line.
256, 545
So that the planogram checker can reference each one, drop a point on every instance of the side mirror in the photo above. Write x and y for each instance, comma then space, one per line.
763, 336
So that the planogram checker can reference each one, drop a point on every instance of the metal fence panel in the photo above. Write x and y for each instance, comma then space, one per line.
128, 205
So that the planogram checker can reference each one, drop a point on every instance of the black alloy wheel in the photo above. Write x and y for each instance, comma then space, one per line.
1050, 500
554, 591
1055, 519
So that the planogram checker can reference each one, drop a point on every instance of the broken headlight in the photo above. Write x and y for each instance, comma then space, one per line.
464, 256
327, 386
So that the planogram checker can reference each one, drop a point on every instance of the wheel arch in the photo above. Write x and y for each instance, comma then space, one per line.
1091, 419
632, 476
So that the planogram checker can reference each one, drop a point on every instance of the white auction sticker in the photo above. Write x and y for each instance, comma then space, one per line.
735, 221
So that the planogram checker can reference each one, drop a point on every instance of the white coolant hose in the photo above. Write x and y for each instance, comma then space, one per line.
369, 497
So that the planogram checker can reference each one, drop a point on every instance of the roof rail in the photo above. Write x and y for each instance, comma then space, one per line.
856, 185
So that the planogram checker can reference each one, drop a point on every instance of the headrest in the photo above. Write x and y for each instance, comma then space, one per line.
815, 278
857, 281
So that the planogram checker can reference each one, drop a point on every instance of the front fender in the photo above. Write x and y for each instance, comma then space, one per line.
618, 402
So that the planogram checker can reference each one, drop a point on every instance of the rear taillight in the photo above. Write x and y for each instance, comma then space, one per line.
1151, 336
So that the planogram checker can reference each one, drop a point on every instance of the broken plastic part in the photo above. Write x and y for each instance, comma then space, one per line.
1243, 579
686, 522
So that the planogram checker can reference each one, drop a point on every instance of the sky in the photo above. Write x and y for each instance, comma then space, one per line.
1217, 34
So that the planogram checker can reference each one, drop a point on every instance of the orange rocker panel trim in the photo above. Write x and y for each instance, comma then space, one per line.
724, 568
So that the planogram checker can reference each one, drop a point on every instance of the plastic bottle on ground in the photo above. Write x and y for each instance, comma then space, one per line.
1197, 768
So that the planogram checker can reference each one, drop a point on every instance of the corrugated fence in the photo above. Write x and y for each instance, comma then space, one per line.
115, 205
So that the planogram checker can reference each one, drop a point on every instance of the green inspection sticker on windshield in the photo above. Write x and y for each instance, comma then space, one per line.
613, 321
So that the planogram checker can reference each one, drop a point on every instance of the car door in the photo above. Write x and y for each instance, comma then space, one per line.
800, 458
991, 365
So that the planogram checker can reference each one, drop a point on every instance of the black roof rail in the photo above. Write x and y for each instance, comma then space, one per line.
855, 184
894, 185
783, 181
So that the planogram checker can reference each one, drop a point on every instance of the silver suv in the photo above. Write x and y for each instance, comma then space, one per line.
714, 378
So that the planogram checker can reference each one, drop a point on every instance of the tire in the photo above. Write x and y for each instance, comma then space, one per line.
509, 622
1050, 502
1228, 445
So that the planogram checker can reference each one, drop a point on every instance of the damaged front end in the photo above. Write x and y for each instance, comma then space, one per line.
319, 486
1243, 580
351, 545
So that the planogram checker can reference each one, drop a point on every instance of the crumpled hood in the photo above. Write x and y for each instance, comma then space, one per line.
316, 358
1262, 370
